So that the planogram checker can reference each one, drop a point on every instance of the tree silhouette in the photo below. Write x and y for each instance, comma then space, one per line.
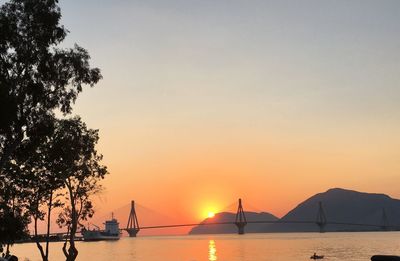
62, 170
79, 167
13, 221
37, 78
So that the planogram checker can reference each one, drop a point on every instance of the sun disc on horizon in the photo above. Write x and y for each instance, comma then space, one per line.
210, 214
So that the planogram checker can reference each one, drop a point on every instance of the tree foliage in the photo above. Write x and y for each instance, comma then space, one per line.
36, 77
12, 224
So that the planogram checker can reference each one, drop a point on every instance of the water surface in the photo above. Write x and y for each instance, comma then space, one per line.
249, 247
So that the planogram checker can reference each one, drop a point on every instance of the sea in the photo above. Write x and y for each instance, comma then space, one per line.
229, 247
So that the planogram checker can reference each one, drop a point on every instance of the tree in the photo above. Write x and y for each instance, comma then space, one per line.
36, 78
64, 164
79, 167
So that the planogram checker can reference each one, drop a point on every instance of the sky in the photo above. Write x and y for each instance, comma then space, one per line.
204, 102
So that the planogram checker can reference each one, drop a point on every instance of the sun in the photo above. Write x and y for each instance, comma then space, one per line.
210, 214
208, 210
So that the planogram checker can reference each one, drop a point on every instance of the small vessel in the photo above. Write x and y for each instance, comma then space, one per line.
385, 258
111, 231
315, 256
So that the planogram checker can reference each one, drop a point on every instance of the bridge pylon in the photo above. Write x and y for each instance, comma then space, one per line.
385, 223
133, 225
240, 220
321, 218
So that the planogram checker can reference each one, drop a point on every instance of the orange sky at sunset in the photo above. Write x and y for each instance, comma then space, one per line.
205, 102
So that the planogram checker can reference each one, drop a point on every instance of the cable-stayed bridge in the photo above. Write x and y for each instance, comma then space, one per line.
240, 222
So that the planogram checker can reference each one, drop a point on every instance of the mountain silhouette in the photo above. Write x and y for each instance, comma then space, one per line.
231, 228
343, 206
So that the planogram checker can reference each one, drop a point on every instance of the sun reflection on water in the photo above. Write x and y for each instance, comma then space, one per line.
212, 251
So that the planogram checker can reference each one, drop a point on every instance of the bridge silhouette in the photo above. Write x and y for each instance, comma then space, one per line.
240, 222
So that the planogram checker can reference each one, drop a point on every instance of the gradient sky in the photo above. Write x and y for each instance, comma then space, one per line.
203, 102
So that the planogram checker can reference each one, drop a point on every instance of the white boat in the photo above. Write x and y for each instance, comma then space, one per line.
111, 232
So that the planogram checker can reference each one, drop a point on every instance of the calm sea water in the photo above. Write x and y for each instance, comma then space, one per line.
249, 247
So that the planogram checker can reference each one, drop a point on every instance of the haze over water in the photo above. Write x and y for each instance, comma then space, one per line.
250, 247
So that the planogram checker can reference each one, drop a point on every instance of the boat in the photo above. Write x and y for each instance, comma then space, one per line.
111, 231
385, 258
315, 256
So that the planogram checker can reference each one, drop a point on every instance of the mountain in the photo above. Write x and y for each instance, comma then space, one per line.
231, 228
339, 205
342, 206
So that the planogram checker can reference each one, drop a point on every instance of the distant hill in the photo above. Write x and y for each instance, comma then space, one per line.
339, 205
344, 206
230, 217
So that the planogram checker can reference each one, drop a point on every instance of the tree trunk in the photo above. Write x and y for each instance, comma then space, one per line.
48, 225
39, 246
64, 248
72, 251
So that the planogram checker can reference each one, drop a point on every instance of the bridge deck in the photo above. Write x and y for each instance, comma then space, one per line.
261, 222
